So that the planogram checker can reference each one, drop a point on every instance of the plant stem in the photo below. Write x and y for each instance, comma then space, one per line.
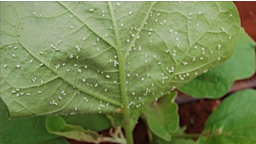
126, 112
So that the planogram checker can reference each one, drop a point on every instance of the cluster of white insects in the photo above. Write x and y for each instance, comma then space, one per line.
133, 34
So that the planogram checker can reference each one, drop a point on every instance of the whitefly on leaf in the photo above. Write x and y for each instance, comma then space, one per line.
77, 57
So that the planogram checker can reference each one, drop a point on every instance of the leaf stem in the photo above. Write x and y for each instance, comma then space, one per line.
126, 112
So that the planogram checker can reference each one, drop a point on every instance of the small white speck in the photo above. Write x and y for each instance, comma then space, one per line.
34, 13
130, 12
91, 10
184, 63
18, 66
5, 65
122, 24
219, 46
39, 92
107, 76
71, 27
13, 55
199, 13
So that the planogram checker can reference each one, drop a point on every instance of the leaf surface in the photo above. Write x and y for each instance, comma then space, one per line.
234, 121
80, 57
176, 139
57, 125
218, 81
94, 122
26, 130
162, 116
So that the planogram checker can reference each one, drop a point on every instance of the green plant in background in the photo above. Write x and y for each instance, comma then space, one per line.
106, 62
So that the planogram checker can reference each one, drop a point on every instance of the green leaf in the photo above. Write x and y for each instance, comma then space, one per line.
94, 122
96, 57
56, 141
25, 131
234, 121
162, 116
218, 81
175, 140
57, 125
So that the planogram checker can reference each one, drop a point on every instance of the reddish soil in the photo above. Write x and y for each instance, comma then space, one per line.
193, 114
247, 12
